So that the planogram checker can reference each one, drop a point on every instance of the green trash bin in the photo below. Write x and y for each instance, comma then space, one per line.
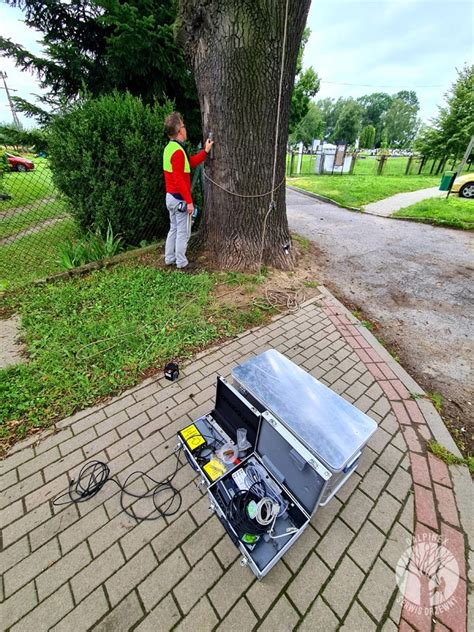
447, 180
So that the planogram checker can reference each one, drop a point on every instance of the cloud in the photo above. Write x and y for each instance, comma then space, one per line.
389, 45
22, 84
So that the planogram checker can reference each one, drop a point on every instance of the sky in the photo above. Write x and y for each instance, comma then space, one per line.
378, 45
390, 45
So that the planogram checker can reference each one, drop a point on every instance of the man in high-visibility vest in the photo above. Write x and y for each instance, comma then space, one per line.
177, 165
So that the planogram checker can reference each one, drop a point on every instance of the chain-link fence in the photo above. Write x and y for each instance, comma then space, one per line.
33, 218
38, 233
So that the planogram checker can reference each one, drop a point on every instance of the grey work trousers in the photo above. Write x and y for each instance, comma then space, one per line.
177, 239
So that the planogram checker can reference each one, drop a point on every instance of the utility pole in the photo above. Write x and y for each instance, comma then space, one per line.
16, 120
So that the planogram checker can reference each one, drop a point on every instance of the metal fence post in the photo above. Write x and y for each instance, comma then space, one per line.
382, 160
291, 162
353, 161
422, 164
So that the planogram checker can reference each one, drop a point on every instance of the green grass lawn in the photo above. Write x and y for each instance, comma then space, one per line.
358, 190
34, 256
25, 188
40, 212
90, 337
454, 211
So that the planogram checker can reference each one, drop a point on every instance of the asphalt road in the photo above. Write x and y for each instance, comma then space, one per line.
415, 280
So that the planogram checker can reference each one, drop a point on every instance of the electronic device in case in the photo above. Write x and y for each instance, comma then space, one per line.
202, 439
287, 475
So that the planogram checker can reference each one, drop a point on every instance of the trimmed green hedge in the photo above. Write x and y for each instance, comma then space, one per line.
106, 157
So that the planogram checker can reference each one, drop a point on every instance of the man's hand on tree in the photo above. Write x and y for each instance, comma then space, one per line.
208, 145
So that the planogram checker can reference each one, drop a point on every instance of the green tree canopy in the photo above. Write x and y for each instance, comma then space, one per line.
374, 107
348, 122
306, 86
97, 46
33, 138
309, 128
452, 129
330, 110
367, 137
401, 123
408, 96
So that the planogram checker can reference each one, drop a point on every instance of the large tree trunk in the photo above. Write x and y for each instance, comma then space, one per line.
235, 50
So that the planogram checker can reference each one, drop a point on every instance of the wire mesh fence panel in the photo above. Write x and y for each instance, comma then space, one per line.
395, 166
300, 164
308, 164
39, 234
33, 217
366, 166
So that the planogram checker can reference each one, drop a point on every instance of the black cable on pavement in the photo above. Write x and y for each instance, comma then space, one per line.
94, 475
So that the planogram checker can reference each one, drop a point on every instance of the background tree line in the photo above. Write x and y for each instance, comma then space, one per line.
383, 120
377, 119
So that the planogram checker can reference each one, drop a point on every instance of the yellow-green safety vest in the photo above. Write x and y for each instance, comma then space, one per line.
170, 149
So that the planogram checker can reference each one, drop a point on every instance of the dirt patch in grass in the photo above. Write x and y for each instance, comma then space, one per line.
275, 287
11, 350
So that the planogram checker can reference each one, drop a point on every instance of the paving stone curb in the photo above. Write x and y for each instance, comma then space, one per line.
435, 503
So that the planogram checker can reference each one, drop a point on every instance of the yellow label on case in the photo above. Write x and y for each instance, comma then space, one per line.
192, 437
214, 469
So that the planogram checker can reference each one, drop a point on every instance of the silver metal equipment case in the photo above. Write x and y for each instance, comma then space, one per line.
305, 443
288, 468
332, 430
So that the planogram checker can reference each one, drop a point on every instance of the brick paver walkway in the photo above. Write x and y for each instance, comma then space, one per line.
89, 566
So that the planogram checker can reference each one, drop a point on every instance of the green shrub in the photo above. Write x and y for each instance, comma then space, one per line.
74, 253
106, 157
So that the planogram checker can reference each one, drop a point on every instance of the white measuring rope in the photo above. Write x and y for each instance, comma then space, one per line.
257, 195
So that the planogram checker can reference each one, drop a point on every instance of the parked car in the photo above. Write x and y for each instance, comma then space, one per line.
464, 186
17, 163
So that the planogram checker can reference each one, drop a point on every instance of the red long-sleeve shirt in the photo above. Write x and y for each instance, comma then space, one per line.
179, 182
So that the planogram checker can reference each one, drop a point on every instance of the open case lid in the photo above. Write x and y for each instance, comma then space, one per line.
291, 463
232, 411
331, 428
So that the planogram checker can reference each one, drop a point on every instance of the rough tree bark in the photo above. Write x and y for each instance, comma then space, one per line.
235, 50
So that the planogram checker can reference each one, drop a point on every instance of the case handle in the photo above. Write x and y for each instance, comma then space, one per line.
353, 463
300, 462
274, 470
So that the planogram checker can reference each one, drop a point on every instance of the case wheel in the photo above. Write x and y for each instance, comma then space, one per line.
244, 561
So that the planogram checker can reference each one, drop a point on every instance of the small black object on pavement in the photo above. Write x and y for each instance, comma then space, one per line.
171, 371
